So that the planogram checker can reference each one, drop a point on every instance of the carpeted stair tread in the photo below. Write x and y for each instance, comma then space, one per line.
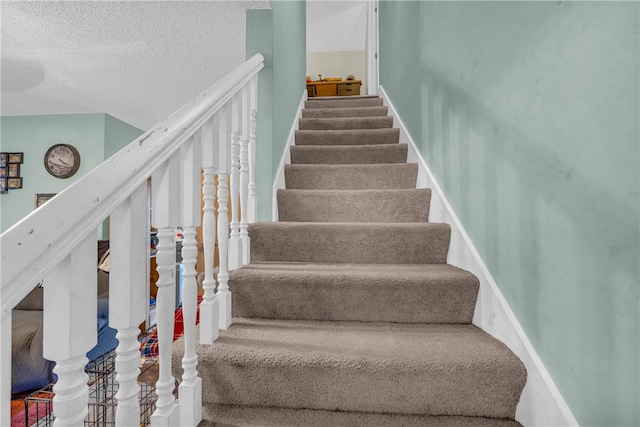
433, 369
346, 123
252, 416
349, 154
360, 243
427, 293
343, 101
377, 111
342, 97
351, 177
354, 205
347, 137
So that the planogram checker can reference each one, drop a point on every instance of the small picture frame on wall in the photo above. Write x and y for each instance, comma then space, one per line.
16, 157
14, 183
4, 171
3, 186
42, 198
3, 158
14, 170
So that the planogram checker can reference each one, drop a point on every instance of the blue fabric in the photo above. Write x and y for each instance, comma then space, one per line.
106, 336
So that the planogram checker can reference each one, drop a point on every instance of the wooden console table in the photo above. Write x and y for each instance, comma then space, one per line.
337, 88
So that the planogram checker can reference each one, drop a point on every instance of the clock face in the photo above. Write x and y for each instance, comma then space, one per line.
62, 160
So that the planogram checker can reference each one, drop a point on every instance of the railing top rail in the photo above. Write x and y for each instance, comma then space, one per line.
44, 237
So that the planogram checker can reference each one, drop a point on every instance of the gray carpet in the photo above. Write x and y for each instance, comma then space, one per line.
351, 177
344, 112
347, 137
354, 205
337, 242
342, 102
429, 369
427, 293
348, 314
254, 416
349, 154
342, 123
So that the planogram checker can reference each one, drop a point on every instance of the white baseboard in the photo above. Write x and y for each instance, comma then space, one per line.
278, 181
541, 403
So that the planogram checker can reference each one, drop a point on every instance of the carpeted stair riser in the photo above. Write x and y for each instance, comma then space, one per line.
252, 416
354, 205
346, 123
349, 154
345, 112
335, 242
436, 293
351, 177
367, 367
342, 103
347, 137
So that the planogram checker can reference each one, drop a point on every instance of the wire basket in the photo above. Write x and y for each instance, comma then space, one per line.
102, 397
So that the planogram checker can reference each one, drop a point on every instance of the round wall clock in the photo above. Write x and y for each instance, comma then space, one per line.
62, 160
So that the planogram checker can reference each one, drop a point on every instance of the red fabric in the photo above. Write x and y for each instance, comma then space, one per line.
149, 347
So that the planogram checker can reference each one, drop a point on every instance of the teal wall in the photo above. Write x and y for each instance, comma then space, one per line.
260, 40
527, 113
117, 134
280, 35
289, 69
92, 134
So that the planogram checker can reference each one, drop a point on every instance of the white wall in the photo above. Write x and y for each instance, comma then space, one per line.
336, 38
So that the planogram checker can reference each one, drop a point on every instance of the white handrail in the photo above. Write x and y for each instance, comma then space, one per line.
50, 240
37, 242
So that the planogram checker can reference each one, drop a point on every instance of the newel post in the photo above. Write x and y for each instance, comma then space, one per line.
129, 243
69, 319
190, 390
165, 187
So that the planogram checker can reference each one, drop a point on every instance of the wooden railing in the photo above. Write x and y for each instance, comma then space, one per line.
56, 244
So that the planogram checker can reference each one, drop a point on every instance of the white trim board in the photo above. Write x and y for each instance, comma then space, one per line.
541, 403
278, 180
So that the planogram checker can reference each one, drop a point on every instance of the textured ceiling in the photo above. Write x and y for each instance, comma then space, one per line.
135, 60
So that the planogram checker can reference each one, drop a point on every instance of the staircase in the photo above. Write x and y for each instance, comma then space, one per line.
348, 314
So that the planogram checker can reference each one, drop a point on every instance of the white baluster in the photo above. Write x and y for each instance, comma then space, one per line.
190, 390
209, 307
224, 162
166, 413
235, 249
244, 176
223, 295
165, 189
252, 200
129, 242
69, 319
70, 392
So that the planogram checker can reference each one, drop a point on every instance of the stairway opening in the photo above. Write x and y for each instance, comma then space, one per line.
342, 41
